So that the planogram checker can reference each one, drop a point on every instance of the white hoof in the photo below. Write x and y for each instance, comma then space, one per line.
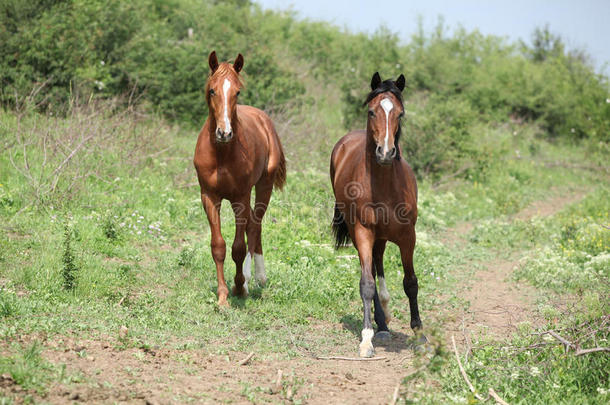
366, 346
367, 350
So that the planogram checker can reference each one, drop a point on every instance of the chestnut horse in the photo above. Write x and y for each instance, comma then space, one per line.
237, 149
376, 201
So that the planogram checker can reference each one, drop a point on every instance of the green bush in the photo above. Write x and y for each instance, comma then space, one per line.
154, 52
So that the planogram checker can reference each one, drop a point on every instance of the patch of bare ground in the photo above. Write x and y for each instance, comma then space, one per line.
107, 373
496, 303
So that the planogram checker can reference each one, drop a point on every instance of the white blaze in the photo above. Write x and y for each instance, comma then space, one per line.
387, 106
225, 89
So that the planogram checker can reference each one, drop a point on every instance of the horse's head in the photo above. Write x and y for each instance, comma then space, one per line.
222, 91
385, 110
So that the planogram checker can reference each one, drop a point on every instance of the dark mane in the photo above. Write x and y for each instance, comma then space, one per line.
384, 87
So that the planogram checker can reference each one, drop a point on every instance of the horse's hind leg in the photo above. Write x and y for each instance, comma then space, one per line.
255, 246
211, 206
384, 295
381, 299
242, 210
409, 282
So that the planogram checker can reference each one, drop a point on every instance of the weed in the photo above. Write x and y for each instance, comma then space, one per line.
69, 270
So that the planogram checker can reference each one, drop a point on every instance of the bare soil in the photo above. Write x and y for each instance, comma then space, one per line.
496, 303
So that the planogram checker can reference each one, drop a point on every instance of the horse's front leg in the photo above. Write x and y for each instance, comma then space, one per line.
364, 239
211, 205
242, 211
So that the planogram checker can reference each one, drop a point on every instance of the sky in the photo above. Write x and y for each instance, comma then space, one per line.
582, 24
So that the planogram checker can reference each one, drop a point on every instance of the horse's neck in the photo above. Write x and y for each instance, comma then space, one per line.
226, 153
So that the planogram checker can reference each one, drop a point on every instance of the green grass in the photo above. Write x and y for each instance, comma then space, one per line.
141, 259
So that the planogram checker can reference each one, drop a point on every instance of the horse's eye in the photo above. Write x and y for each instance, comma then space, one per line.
238, 93
212, 92
402, 114
371, 113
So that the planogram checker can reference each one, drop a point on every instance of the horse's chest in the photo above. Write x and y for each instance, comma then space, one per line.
384, 213
226, 182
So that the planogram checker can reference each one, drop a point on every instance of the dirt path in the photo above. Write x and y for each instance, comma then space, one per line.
498, 304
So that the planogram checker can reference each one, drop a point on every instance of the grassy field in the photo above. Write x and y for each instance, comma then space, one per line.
105, 259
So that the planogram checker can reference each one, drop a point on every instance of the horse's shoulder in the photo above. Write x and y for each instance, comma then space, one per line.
350, 141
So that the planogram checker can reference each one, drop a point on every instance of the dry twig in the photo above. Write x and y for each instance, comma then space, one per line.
278, 383
495, 396
457, 356
246, 360
350, 358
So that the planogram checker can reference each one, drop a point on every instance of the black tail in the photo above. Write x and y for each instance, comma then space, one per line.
340, 229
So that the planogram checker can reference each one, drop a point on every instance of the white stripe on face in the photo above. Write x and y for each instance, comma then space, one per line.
387, 106
225, 88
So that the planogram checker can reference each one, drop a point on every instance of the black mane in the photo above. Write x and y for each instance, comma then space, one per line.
384, 87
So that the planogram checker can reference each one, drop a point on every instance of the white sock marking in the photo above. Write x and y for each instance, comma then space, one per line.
247, 270
387, 106
225, 88
259, 269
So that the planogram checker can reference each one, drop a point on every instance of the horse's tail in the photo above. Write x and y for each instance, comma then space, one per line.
280, 174
340, 229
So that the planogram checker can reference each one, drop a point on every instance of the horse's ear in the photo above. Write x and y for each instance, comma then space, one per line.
375, 81
213, 61
239, 63
400, 82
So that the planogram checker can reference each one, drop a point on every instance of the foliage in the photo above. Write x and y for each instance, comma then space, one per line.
155, 52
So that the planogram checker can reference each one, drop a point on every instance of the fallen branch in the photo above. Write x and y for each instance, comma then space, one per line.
457, 357
565, 342
580, 352
246, 360
569, 345
350, 358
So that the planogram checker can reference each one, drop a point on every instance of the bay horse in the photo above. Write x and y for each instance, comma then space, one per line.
375, 202
237, 149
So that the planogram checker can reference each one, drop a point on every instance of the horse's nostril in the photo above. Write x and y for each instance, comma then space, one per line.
379, 151
393, 153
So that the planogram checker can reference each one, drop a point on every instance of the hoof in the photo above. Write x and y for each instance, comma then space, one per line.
222, 302
262, 281
239, 292
367, 350
383, 336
